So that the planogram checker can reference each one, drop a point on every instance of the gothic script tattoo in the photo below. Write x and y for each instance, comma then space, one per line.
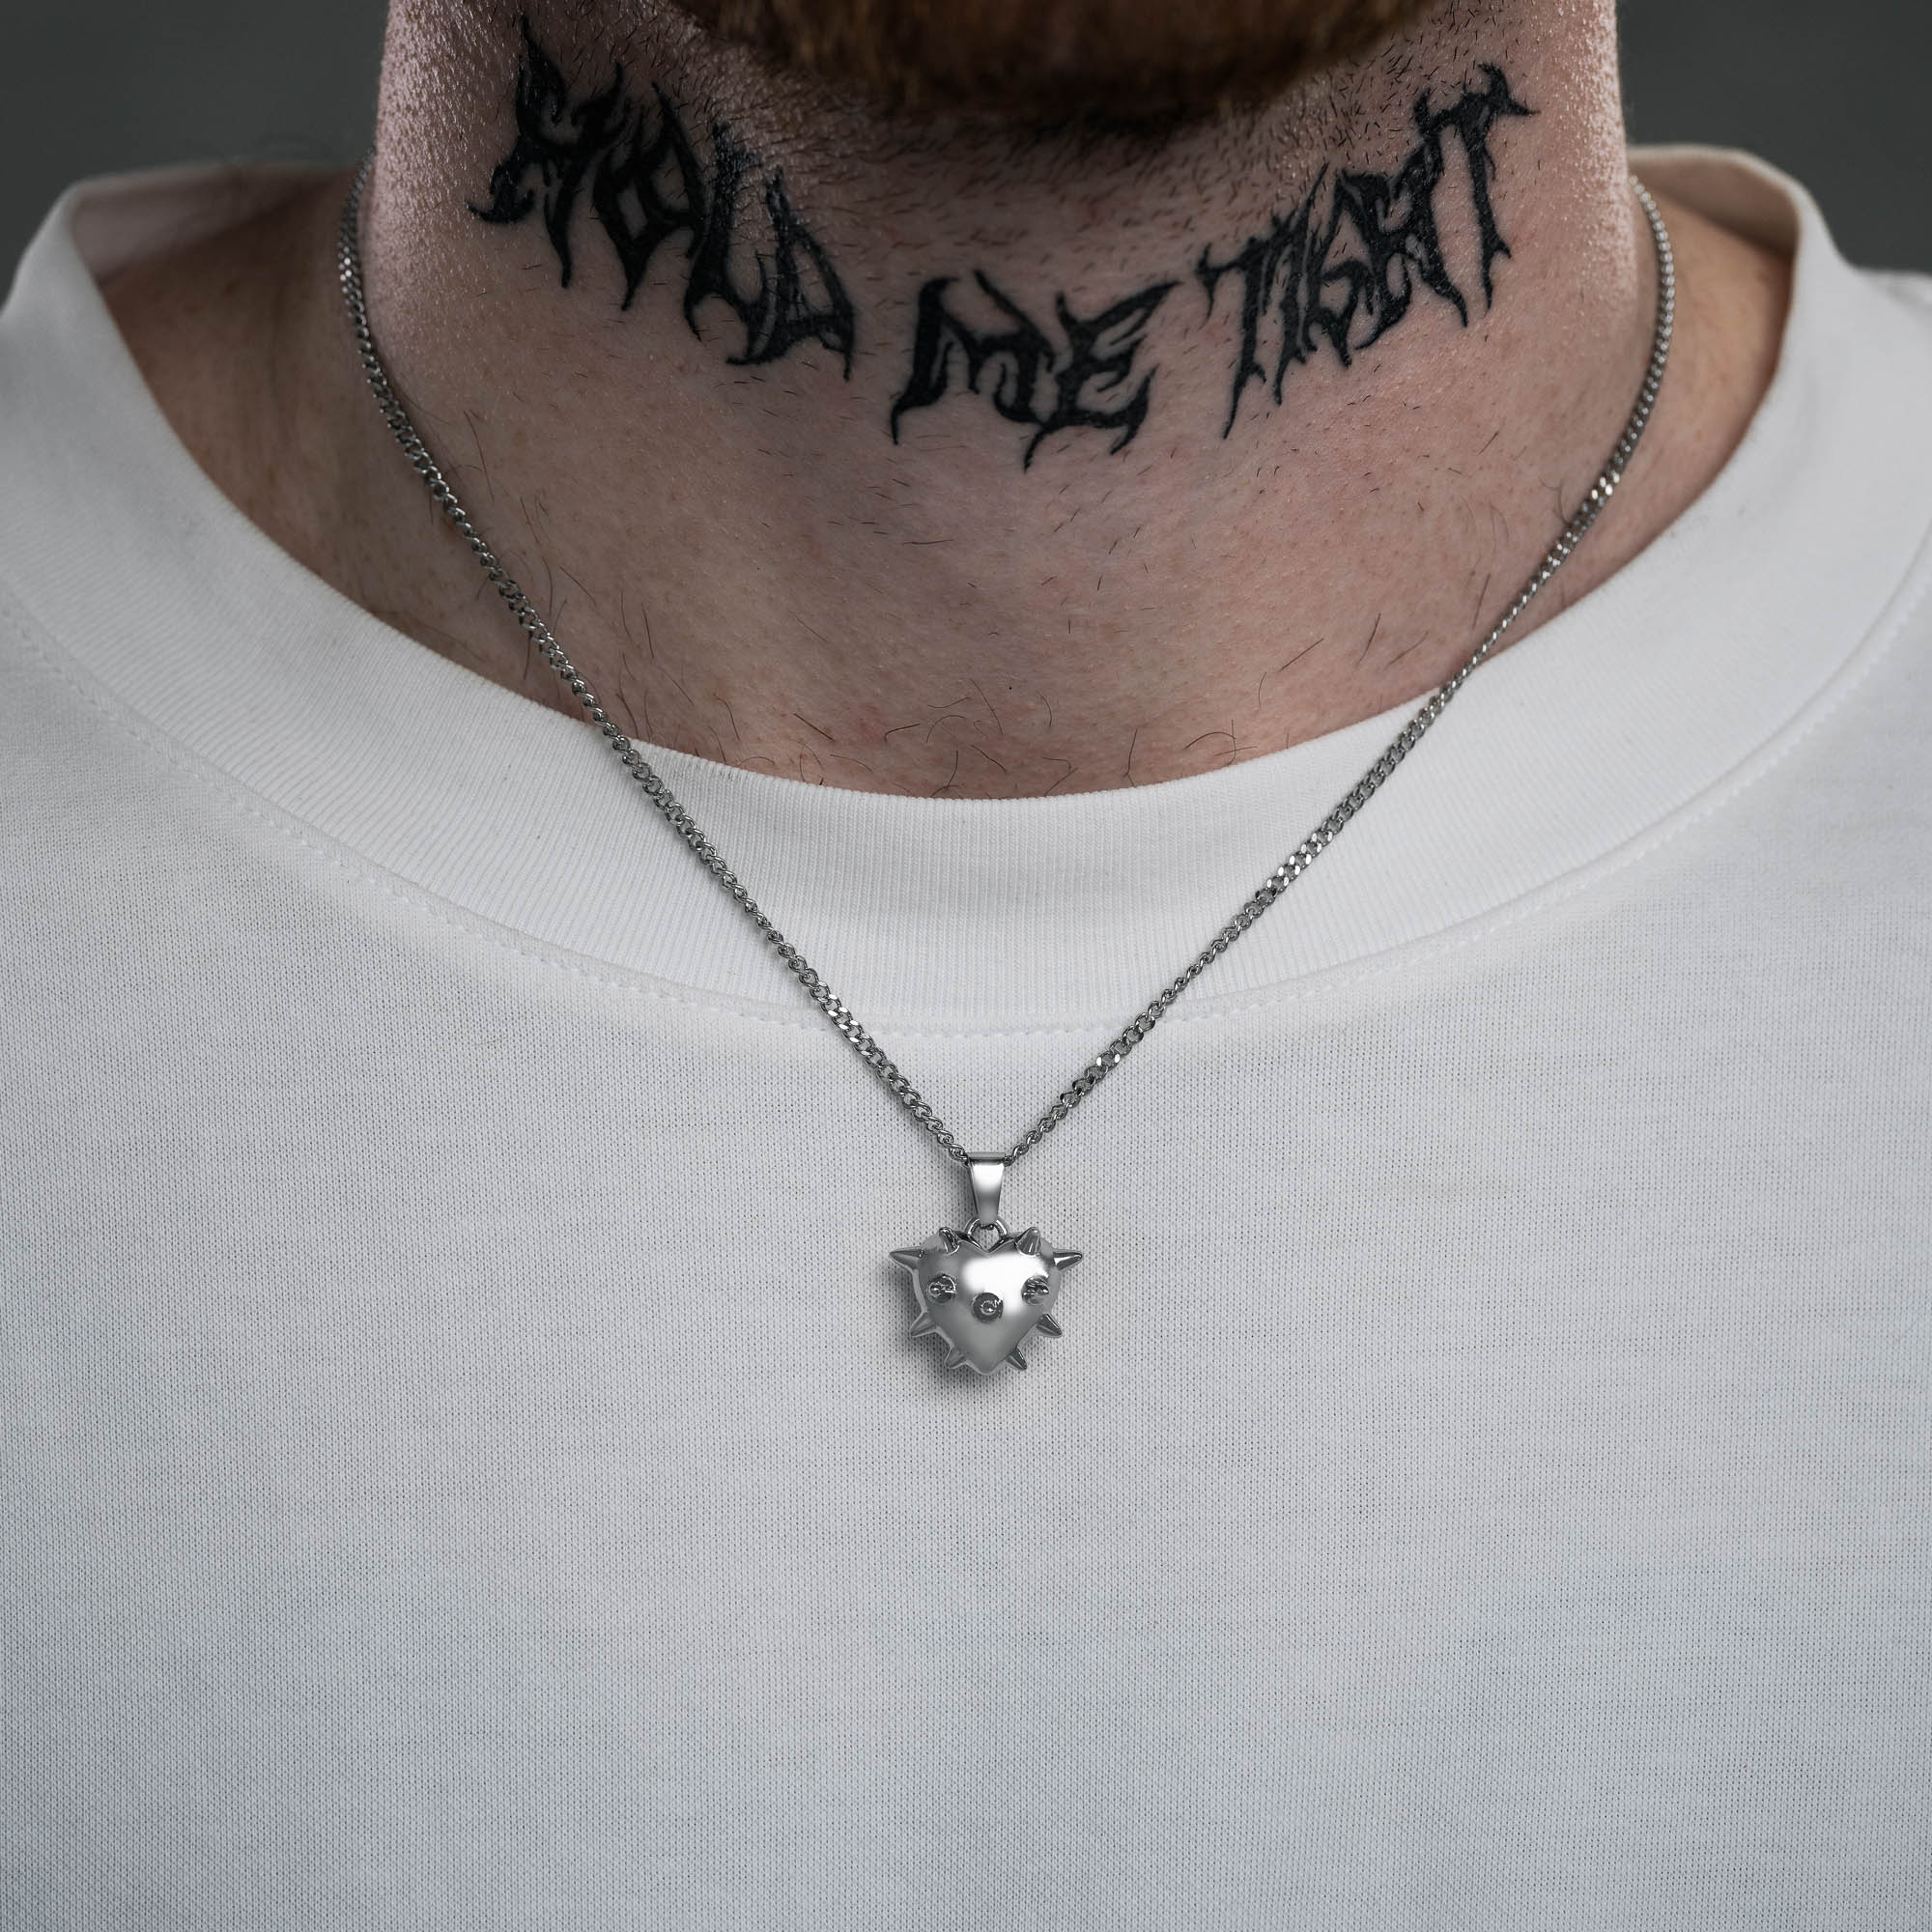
1343, 267
1340, 269
1075, 384
648, 182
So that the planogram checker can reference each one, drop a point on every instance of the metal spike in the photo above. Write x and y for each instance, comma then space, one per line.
1047, 1325
1029, 1243
924, 1324
948, 1239
955, 1358
1019, 1360
1066, 1259
909, 1258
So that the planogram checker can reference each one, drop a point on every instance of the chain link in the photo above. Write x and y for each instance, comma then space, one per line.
674, 814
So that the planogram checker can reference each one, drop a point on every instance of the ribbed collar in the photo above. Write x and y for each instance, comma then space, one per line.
1573, 746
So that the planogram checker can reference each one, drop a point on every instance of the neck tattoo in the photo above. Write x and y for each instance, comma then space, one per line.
1328, 279
982, 1290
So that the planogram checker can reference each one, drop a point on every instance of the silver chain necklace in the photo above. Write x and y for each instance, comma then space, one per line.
981, 1288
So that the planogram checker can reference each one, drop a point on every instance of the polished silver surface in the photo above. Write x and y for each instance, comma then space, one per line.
986, 1175
982, 1330
981, 1291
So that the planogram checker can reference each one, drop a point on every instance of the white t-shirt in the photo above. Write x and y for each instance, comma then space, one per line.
464, 1465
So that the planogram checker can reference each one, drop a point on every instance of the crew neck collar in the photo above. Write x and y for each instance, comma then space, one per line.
143, 582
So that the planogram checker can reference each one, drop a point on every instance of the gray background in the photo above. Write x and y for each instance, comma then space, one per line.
1832, 90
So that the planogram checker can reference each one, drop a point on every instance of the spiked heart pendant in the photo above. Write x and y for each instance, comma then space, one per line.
979, 1289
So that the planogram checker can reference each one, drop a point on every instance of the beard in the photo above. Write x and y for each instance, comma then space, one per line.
1131, 65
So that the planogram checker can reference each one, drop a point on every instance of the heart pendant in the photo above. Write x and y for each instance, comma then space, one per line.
982, 1290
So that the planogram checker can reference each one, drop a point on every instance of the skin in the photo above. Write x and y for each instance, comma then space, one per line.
749, 568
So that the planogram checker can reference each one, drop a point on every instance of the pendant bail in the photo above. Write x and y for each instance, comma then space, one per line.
985, 1172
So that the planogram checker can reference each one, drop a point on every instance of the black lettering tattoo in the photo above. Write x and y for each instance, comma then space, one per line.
1343, 267
1336, 272
647, 185
1074, 384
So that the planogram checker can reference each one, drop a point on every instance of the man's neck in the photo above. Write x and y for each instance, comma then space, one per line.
941, 465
